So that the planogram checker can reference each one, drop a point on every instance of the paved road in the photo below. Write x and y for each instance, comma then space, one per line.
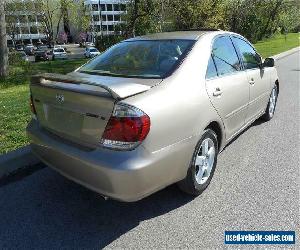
255, 187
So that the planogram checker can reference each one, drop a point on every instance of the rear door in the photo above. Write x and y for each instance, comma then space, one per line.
227, 85
258, 79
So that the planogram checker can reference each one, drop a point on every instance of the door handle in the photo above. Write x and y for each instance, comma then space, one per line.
217, 92
252, 82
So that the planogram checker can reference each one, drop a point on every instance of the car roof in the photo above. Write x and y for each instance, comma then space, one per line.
188, 35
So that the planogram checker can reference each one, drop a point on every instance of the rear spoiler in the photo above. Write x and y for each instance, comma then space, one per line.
77, 83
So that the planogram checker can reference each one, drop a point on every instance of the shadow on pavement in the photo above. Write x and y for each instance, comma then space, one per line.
47, 211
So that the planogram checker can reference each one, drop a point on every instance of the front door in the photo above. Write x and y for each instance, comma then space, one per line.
258, 79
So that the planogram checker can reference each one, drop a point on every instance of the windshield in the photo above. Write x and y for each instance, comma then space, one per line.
93, 50
141, 58
59, 50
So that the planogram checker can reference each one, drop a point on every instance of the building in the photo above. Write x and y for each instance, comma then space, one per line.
24, 22
105, 15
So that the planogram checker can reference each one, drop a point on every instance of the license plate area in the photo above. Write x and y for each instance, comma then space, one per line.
61, 120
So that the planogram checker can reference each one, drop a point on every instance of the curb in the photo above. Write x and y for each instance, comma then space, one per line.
286, 53
13, 161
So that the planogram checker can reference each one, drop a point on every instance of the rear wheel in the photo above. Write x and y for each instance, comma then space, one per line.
271, 104
203, 164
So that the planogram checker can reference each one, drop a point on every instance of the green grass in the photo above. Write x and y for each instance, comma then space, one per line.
277, 44
14, 116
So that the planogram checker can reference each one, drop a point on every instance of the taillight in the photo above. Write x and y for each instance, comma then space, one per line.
127, 127
32, 106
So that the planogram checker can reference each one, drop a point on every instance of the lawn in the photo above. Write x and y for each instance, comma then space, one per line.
14, 115
14, 108
277, 44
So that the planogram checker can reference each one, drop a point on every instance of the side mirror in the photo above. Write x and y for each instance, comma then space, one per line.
269, 62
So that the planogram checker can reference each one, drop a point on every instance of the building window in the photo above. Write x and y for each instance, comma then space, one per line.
25, 30
38, 6
102, 7
109, 7
110, 27
33, 30
97, 28
104, 27
40, 18
95, 7
10, 19
31, 19
110, 18
9, 7
103, 17
123, 7
117, 17
116, 7
22, 19
29, 6
96, 18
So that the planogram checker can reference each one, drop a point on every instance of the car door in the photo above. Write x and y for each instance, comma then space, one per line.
258, 79
227, 85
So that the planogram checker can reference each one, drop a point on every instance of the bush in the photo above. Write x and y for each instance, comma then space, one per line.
19, 70
104, 42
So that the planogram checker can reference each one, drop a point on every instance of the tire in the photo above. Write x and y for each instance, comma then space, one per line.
271, 107
195, 182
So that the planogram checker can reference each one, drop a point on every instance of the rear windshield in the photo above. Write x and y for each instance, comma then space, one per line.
59, 50
141, 58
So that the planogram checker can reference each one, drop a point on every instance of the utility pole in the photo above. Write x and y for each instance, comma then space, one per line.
3, 43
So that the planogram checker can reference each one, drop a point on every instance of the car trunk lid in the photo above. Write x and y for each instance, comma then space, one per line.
77, 106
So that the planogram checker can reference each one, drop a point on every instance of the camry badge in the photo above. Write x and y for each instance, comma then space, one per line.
60, 98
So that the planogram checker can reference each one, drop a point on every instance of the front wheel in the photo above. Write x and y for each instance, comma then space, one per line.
269, 113
202, 166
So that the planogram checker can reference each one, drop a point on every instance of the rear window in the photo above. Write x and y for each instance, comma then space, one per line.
59, 50
141, 58
225, 56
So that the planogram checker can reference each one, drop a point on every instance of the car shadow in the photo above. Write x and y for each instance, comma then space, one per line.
257, 122
47, 211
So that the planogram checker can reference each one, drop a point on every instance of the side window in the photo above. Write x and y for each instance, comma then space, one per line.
250, 58
211, 69
225, 56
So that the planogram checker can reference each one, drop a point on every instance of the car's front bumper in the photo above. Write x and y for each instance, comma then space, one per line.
122, 175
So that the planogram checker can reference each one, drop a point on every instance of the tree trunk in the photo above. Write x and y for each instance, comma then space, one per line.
3, 43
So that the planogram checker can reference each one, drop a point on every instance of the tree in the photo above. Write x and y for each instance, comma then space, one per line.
12, 28
53, 12
142, 17
82, 24
193, 14
3, 43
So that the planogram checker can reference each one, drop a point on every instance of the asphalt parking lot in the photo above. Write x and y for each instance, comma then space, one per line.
255, 187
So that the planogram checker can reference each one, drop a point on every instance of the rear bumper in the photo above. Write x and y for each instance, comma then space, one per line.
60, 56
122, 175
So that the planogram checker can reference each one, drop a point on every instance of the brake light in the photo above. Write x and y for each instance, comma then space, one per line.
127, 127
32, 105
